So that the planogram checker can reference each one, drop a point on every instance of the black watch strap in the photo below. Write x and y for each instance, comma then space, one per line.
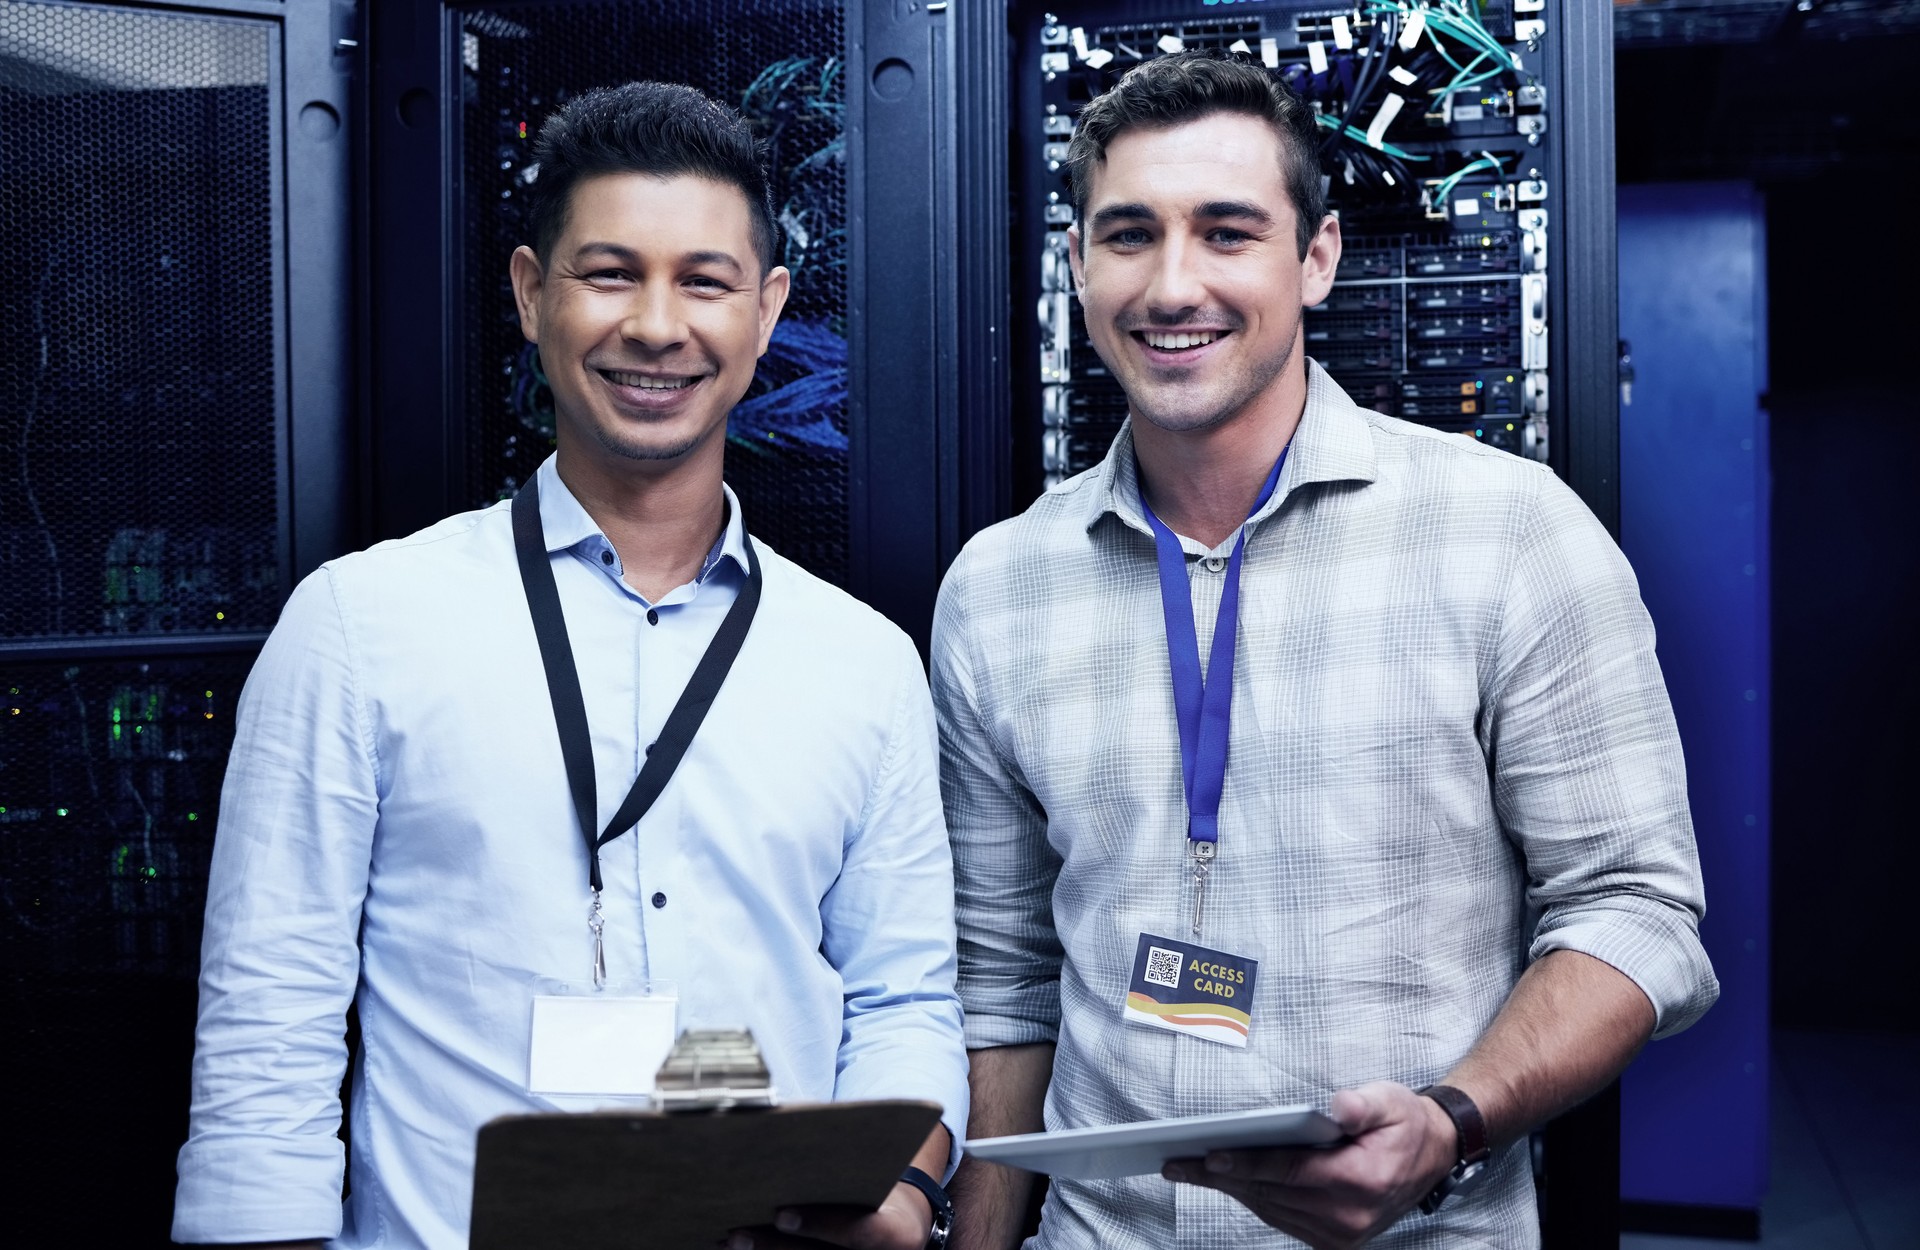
942, 1205
1471, 1147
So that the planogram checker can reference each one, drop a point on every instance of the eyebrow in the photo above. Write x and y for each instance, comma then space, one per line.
1212, 210
1216, 209
627, 256
1113, 214
712, 258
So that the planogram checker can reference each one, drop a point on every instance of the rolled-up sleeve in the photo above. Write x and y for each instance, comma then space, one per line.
888, 924
1588, 775
1004, 869
280, 958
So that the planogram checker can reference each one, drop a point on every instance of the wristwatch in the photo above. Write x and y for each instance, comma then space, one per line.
938, 1200
1471, 1150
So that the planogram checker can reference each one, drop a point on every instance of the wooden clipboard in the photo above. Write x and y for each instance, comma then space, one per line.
681, 1180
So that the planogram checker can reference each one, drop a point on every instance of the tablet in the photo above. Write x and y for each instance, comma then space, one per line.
1113, 1150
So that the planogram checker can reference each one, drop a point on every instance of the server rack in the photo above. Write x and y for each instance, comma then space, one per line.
175, 444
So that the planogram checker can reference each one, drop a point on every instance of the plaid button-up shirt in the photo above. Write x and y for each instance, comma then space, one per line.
1451, 752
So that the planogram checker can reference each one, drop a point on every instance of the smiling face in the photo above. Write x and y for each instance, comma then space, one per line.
1190, 273
650, 312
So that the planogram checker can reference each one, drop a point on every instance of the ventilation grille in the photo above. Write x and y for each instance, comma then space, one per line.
139, 485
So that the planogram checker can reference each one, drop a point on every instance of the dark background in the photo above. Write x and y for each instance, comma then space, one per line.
1822, 127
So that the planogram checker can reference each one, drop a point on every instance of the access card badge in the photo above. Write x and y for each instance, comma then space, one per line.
1191, 989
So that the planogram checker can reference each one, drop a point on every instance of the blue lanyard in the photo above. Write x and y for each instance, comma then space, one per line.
1203, 706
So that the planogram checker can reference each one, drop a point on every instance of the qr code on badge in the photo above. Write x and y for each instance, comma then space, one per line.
1163, 967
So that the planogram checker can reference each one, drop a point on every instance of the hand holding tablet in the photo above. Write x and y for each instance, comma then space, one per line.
1105, 1152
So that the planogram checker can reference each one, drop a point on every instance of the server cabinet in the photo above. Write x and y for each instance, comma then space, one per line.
174, 447
1696, 489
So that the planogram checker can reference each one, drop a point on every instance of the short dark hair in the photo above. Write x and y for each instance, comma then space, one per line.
1187, 86
657, 128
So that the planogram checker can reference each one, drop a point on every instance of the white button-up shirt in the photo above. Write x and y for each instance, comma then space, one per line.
396, 823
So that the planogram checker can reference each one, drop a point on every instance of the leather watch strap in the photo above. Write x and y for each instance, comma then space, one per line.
1471, 1147
942, 1205
1467, 1122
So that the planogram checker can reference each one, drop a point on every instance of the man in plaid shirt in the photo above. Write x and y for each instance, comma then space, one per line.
1428, 806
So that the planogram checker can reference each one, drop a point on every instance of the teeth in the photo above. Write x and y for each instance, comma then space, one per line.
1175, 342
646, 383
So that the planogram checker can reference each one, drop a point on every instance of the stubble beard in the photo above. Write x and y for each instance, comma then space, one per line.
1240, 392
635, 450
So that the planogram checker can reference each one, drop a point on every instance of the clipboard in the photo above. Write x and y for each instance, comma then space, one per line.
1110, 1151
681, 1180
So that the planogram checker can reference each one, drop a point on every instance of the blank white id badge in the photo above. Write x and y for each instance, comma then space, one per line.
606, 1041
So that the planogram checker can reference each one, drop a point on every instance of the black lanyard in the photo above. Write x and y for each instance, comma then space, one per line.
570, 709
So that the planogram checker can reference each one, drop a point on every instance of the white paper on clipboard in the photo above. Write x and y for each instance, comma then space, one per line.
1115, 1150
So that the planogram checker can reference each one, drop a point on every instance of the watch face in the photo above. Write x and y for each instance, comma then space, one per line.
1461, 1177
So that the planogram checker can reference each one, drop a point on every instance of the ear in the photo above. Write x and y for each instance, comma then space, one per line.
774, 289
1076, 259
1322, 259
529, 278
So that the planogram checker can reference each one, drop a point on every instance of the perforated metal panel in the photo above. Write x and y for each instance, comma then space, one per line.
779, 62
139, 387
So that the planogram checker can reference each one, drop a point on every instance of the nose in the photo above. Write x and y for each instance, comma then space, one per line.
1174, 290
653, 318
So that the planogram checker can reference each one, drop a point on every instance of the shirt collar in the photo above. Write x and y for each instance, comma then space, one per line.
1333, 443
567, 524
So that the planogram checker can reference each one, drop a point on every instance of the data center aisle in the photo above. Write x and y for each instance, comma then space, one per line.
1846, 1161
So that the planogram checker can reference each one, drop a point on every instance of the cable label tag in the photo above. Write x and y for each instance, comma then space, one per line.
1342, 33
1411, 32
1402, 75
1389, 109
1317, 57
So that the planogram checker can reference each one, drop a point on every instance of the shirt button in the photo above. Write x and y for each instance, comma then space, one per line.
606, 557
659, 900
1214, 564
653, 617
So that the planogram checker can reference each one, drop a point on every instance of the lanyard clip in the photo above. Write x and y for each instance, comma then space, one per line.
1203, 852
597, 923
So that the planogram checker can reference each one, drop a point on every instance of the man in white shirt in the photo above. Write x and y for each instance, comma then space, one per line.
399, 828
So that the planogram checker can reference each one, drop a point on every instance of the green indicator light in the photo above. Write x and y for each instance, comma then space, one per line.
59, 811
190, 815
149, 872
209, 694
